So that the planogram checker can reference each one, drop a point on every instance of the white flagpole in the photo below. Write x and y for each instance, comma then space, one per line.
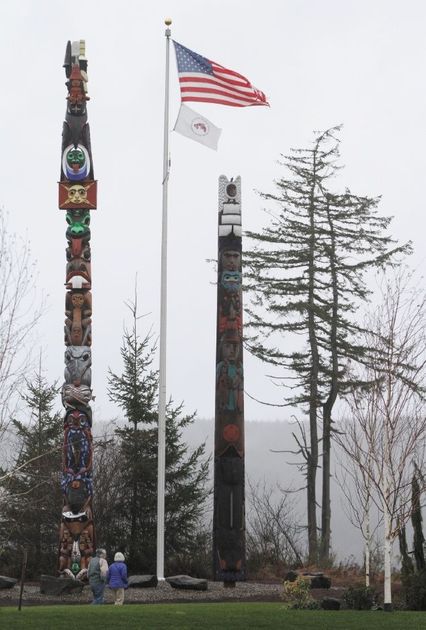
163, 331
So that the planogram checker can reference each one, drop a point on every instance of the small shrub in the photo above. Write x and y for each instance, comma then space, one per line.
414, 590
360, 597
297, 594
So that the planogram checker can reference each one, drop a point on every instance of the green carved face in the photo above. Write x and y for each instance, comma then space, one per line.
79, 222
75, 156
75, 567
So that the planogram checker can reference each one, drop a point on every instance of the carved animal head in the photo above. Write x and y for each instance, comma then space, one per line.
231, 281
78, 222
78, 360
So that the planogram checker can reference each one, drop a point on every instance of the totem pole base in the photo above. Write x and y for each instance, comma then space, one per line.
51, 585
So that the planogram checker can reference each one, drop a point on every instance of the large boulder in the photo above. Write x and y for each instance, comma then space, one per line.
330, 603
187, 582
7, 582
50, 585
143, 581
318, 580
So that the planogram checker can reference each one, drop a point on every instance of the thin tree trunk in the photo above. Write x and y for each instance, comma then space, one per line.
328, 405
367, 563
387, 518
367, 543
133, 519
387, 562
312, 459
416, 520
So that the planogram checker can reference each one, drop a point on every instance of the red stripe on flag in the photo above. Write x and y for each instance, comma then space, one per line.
246, 98
195, 99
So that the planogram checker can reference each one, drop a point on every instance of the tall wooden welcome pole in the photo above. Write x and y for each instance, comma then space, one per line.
228, 518
77, 197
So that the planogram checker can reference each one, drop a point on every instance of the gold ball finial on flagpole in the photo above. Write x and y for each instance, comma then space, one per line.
167, 21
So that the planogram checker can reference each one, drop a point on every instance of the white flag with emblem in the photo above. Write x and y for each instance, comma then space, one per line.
196, 127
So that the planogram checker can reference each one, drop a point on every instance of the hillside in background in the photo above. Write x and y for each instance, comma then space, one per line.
276, 469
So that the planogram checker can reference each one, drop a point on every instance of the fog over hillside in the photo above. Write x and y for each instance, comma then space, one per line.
276, 469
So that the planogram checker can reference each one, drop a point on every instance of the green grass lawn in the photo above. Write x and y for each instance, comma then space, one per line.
234, 616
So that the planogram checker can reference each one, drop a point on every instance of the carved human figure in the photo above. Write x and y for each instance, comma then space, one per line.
229, 374
77, 449
230, 313
76, 90
78, 322
76, 532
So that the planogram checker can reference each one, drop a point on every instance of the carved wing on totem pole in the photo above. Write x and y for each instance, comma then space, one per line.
228, 518
77, 195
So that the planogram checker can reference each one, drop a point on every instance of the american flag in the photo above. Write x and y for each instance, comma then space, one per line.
206, 81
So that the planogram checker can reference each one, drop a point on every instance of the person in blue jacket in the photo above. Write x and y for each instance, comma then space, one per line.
117, 578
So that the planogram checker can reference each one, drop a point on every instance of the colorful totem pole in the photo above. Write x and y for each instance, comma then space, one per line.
228, 518
77, 195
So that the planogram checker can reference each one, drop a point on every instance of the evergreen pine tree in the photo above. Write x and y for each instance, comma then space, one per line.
306, 278
133, 528
32, 496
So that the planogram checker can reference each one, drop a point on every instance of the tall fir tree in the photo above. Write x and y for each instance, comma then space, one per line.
306, 278
32, 496
133, 514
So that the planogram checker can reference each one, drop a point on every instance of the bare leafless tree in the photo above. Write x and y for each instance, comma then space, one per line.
19, 314
353, 476
386, 434
273, 528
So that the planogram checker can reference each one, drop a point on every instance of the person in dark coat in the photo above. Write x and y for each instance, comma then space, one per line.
117, 578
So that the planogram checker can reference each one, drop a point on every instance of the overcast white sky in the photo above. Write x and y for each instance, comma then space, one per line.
321, 63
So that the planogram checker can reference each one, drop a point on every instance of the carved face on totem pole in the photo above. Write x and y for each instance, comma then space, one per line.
82, 195
76, 496
78, 360
230, 346
231, 260
83, 252
79, 267
77, 397
78, 224
76, 163
231, 281
77, 194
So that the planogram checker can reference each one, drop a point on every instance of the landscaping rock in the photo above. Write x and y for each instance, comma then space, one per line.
143, 581
330, 603
291, 576
7, 582
50, 585
187, 582
320, 581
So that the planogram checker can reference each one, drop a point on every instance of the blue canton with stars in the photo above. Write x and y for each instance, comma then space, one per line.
189, 61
